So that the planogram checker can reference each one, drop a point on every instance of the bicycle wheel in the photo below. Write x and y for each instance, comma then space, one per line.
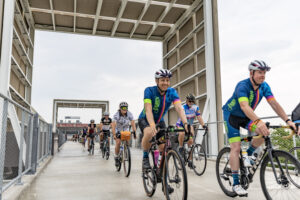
103, 150
149, 178
199, 159
295, 151
223, 172
120, 158
126, 160
282, 188
107, 151
175, 178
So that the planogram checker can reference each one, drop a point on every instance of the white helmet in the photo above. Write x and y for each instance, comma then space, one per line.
258, 65
123, 104
106, 114
163, 73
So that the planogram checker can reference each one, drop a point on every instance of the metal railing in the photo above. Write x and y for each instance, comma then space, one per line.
26, 140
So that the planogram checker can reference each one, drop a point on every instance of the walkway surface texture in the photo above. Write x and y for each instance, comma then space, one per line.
73, 174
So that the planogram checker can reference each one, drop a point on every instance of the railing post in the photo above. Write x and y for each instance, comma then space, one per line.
3, 143
30, 124
21, 150
35, 137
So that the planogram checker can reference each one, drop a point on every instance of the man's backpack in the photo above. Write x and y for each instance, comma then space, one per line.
296, 113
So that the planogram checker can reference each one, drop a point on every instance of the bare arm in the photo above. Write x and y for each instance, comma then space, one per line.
133, 125
248, 111
149, 114
101, 126
113, 127
180, 112
200, 120
278, 109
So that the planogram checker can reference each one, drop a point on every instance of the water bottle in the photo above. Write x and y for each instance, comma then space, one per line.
156, 155
159, 158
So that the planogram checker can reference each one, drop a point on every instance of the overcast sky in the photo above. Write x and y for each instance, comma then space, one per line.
69, 66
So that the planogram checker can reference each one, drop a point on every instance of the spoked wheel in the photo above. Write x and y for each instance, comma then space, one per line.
175, 178
223, 172
107, 151
149, 178
199, 159
295, 151
119, 161
103, 149
126, 160
282, 188
93, 149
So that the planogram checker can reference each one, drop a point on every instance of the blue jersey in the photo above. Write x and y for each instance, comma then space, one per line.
191, 113
244, 91
160, 104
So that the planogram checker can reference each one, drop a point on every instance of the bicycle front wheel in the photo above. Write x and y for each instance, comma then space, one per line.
223, 171
199, 159
126, 160
175, 178
282, 187
149, 177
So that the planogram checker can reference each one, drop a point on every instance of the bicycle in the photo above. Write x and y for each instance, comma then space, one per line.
197, 154
124, 154
162, 171
105, 147
279, 162
92, 146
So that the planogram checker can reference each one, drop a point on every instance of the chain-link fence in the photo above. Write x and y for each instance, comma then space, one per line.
25, 141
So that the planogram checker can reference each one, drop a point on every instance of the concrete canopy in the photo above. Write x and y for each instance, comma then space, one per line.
137, 19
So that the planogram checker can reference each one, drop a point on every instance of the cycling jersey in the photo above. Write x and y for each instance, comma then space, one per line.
234, 117
123, 122
191, 113
84, 131
106, 123
160, 103
92, 128
244, 91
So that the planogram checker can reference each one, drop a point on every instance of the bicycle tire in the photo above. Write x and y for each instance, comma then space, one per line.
229, 193
202, 155
103, 150
276, 154
150, 175
120, 159
107, 152
175, 155
126, 157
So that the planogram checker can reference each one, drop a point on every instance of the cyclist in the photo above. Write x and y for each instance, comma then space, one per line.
91, 132
239, 112
157, 100
105, 125
191, 111
121, 122
83, 135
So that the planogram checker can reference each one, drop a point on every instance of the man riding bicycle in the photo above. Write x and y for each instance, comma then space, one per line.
104, 126
239, 112
121, 122
91, 132
157, 100
191, 111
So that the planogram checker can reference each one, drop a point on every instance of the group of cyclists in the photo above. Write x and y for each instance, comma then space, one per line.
237, 112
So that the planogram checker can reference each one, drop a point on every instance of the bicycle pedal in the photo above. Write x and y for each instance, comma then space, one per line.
224, 177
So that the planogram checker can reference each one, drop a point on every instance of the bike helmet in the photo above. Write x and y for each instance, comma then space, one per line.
106, 114
190, 97
163, 73
123, 104
92, 121
258, 65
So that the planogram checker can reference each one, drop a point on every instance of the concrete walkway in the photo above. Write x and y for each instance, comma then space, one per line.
73, 174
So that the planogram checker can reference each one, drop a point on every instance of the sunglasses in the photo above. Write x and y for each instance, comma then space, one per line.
124, 108
191, 101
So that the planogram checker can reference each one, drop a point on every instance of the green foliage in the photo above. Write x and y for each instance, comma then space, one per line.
283, 144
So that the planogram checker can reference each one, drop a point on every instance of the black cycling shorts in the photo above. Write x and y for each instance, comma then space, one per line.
143, 123
91, 135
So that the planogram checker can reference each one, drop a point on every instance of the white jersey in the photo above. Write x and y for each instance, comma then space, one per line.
123, 122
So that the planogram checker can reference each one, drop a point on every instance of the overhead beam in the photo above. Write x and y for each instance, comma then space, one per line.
52, 13
183, 18
99, 5
121, 11
162, 16
75, 9
140, 17
58, 12
160, 3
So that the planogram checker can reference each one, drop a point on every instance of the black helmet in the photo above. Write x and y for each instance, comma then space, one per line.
190, 97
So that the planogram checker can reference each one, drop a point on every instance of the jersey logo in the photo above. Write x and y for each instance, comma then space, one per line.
156, 105
251, 97
231, 104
